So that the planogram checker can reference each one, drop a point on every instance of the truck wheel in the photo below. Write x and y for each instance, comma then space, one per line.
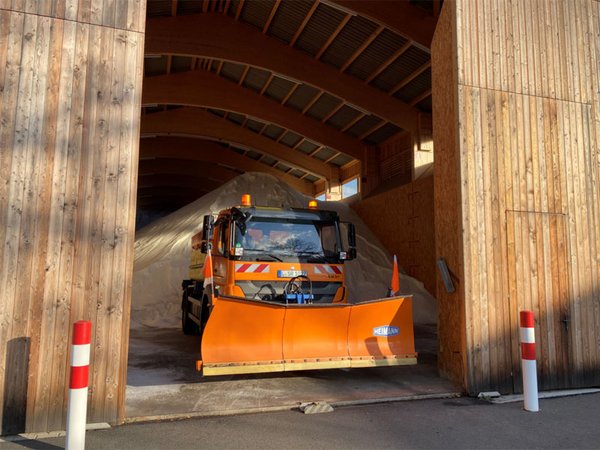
187, 325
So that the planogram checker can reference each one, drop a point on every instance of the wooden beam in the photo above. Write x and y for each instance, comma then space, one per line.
271, 16
410, 21
190, 149
389, 61
202, 88
411, 77
421, 97
216, 36
199, 123
173, 7
332, 112
332, 37
300, 29
362, 48
289, 94
238, 11
373, 129
314, 100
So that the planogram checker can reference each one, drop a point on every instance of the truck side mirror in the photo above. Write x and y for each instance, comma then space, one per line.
207, 228
205, 246
351, 241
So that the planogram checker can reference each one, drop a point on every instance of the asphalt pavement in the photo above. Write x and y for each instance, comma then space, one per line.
455, 423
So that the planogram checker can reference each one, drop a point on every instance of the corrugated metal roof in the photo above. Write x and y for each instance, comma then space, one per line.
268, 160
257, 12
382, 134
180, 63
232, 71
188, 7
254, 125
323, 106
355, 33
278, 88
301, 96
156, 8
343, 117
155, 66
273, 131
425, 105
290, 139
321, 25
216, 112
254, 155
410, 61
325, 153
363, 125
236, 118
380, 50
288, 19
297, 173
256, 79
415, 88
307, 146
282, 167
311, 178
341, 159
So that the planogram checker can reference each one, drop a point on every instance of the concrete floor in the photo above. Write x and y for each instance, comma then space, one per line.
162, 381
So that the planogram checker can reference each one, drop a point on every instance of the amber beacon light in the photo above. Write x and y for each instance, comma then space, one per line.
312, 204
246, 200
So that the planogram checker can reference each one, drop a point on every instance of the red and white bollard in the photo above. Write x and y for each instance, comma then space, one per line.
78, 385
528, 364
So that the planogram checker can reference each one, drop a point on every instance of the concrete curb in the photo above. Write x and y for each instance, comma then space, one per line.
50, 434
545, 394
235, 412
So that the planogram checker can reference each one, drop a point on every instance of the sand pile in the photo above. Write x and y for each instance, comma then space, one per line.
162, 253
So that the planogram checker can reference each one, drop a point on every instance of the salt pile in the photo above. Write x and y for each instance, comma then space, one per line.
162, 253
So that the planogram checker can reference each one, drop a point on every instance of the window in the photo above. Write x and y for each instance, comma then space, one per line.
321, 197
350, 188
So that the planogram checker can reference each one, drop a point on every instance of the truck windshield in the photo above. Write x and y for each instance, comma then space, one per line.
288, 240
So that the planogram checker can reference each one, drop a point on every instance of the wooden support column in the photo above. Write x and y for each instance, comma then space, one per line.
516, 119
70, 95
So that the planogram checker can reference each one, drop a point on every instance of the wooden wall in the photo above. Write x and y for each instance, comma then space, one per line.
527, 159
402, 218
70, 91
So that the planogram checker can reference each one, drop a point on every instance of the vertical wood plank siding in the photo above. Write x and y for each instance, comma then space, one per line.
528, 158
70, 93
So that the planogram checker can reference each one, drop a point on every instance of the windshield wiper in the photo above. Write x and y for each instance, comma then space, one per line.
273, 258
314, 256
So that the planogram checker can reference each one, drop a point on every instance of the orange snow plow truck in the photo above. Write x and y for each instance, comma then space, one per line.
278, 299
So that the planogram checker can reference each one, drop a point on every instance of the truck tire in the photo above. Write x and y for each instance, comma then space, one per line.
188, 326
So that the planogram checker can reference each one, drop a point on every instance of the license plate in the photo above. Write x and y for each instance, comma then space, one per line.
290, 273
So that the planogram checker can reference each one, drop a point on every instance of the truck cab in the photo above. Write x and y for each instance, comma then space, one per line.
283, 255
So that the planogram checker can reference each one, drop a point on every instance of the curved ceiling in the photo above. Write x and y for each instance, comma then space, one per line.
300, 89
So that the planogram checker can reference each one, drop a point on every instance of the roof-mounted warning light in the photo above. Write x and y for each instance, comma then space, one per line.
246, 200
312, 204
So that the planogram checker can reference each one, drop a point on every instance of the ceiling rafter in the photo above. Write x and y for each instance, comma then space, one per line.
267, 83
332, 37
205, 89
404, 18
226, 7
243, 77
191, 149
389, 61
373, 129
354, 121
362, 48
421, 97
333, 112
222, 37
173, 7
196, 122
271, 16
300, 29
410, 78
312, 101
238, 11
290, 93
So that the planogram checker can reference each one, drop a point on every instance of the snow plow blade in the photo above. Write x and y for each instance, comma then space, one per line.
244, 336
